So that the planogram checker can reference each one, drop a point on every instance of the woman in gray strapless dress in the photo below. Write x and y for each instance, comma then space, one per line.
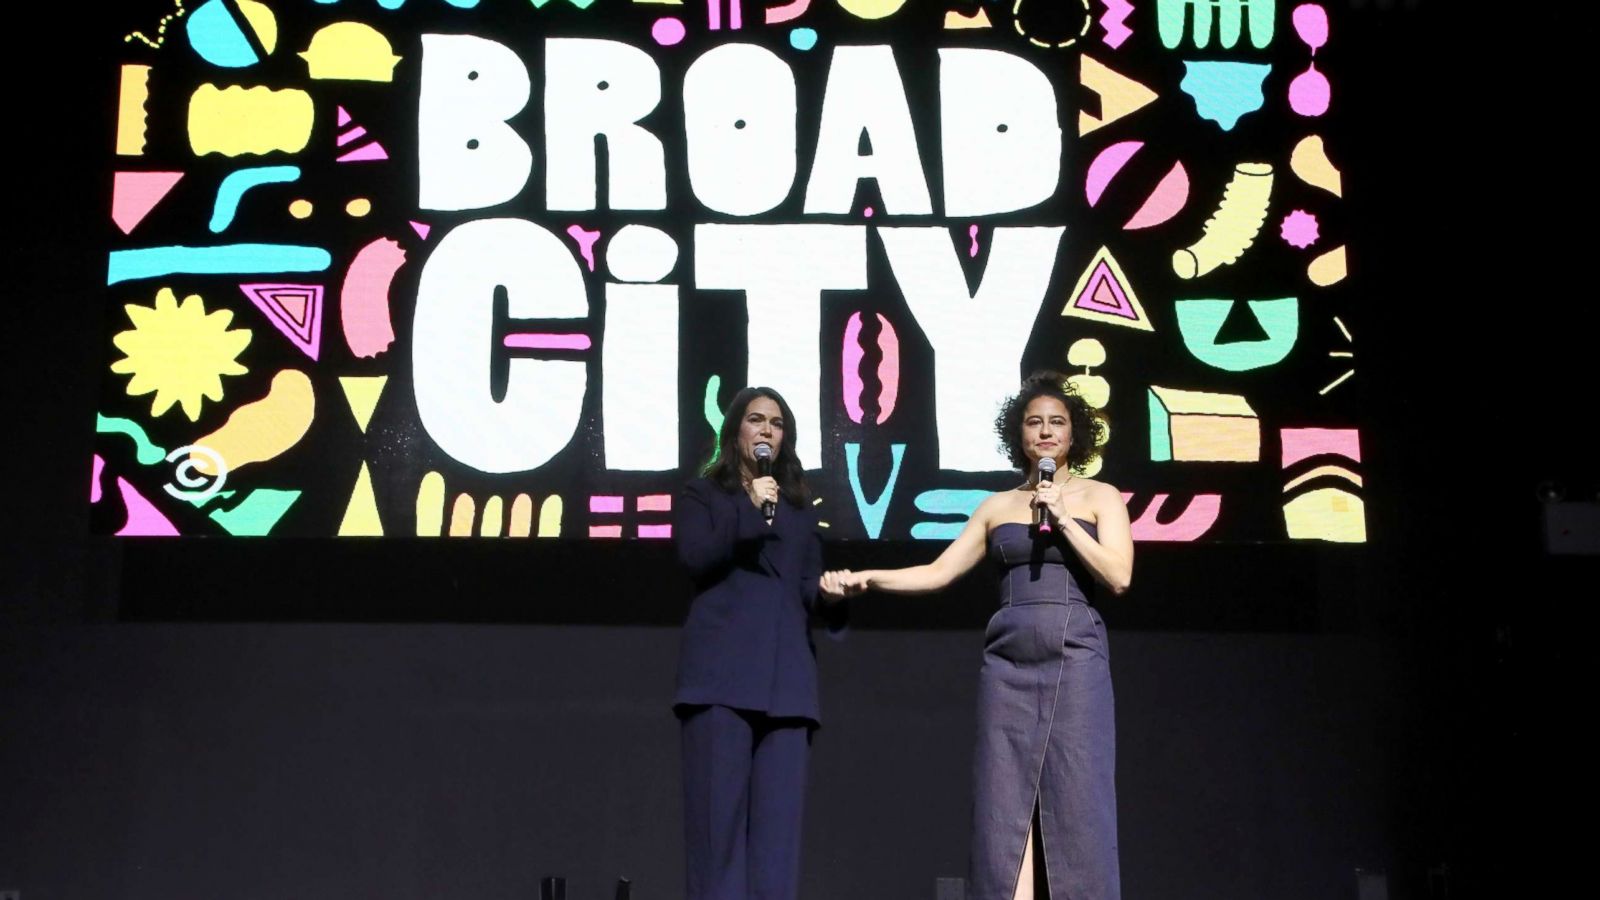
1044, 765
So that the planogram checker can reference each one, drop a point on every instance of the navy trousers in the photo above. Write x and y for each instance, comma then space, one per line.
744, 782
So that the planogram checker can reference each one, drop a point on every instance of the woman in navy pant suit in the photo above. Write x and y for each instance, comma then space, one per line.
747, 673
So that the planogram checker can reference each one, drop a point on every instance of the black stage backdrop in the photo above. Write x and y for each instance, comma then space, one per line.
1391, 727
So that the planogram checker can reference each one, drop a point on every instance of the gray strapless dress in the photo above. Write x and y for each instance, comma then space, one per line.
1046, 729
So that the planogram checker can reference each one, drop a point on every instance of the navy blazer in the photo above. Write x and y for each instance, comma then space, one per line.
747, 641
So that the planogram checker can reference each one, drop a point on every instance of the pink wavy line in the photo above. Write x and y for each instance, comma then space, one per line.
888, 369
853, 386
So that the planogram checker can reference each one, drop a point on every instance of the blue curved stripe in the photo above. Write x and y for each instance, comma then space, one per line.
234, 186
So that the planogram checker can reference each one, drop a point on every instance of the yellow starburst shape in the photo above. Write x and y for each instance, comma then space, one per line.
179, 352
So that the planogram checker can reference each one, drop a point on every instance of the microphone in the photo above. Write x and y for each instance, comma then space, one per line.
1047, 473
764, 469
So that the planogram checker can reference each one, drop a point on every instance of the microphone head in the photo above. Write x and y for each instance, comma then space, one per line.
1047, 468
763, 450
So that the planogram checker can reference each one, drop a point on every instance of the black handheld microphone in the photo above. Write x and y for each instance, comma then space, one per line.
1047, 473
764, 469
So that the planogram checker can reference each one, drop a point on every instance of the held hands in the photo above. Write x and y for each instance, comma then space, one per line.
841, 583
763, 490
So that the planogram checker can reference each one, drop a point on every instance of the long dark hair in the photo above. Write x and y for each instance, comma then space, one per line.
1088, 424
723, 467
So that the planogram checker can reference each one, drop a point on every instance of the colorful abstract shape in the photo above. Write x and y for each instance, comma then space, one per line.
350, 51
874, 511
1120, 96
1233, 227
1165, 201
955, 20
1195, 426
871, 9
1300, 444
294, 309
240, 121
235, 184
1326, 514
362, 393
493, 518
550, 517
585, 239
179, 352
1299, 229
1104, 294
888, 369
361, 517
1200, 322
1115, 22
1329, 269
668, 31
1197, 517
364, 298
521, 523
787, 12
1106, 164
134, 194
132, 94
430, 505
1309, 162
146, 452
257, 514
267, 428
1229, 17
226, 259
144, 519
1310, 94
1223, 92
220, 39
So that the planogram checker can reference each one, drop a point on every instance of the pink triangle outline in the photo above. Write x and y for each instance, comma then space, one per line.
305, 335
295, 304
1102, 275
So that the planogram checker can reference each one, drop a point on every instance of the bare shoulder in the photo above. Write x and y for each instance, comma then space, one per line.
1098, 494
994, 507
1105, 500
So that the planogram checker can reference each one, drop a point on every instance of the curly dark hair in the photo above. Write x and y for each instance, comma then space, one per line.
1087, 423
723, 467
